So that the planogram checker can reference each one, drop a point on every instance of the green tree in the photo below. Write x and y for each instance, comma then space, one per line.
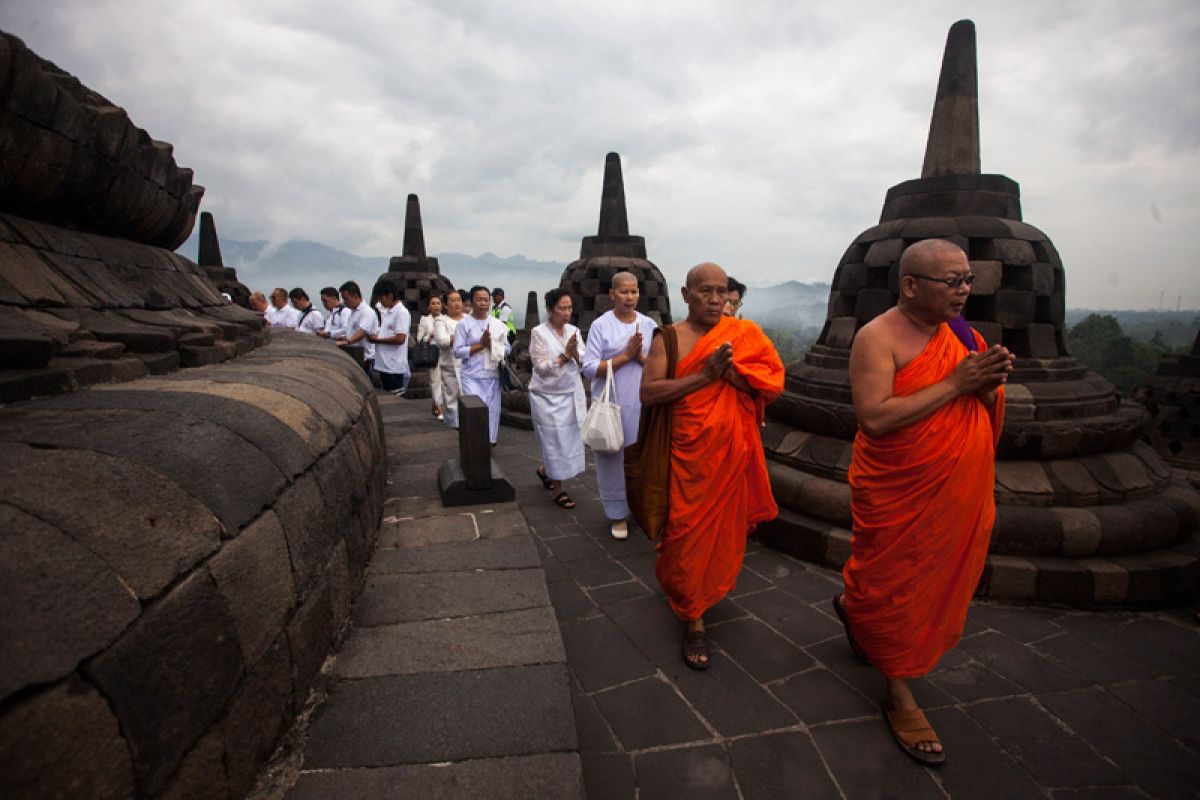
1099, 342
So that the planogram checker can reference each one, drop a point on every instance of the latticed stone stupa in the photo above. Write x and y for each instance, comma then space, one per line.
610, 251
1088, 513
1172, 398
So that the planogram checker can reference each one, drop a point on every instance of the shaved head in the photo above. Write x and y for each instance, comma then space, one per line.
624, 277
925, 253
702, 273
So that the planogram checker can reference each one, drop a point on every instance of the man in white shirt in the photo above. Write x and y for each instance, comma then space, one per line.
361, 324
309, 320
391, 343
280, 314
480, 344
335, 322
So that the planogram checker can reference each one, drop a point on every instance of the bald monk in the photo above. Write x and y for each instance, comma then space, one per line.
930, 402
728, 371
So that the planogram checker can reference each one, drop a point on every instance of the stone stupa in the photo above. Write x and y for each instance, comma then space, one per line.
610, 251
1172, 398
208, 257
417, 278
1088, 513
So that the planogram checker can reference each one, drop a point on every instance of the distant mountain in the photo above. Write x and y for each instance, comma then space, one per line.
788, 305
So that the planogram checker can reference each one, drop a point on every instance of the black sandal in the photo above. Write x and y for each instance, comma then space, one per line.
545, 479
564, 500
695, 648
854, 645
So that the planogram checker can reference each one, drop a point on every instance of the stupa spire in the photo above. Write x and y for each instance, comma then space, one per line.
953, 144
210, 246
614, 220
414, 232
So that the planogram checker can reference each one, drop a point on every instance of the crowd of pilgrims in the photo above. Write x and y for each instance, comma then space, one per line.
473, 331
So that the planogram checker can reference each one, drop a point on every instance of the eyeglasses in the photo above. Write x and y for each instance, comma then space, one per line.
734, 303
953, 283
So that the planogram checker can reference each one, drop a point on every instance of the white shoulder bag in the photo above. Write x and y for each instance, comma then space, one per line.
602, 429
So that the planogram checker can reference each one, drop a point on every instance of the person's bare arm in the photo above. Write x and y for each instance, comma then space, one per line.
738, 381
657, 388
873, 369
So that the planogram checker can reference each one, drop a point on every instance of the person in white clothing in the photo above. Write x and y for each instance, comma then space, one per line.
481, 343
361, 323
280, 314
391, 341
621, 335
335, 323
556, 399
443, 335
425, 334
309, 319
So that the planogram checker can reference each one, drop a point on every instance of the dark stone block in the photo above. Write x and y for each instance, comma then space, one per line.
871, 303
601, 656
851, 278
201, 776
1015, 308
760, 651
1018, 663
448, 716
408, 597
62, 603
863, 758
63, 742
608, 776
258, 715
698, 773
253, 574
796, 620
311, 533
778, 765
170, 674
454, 485
820, 696
1010, 251
884, 252
143, 526
729, 699
979, 768
648, 713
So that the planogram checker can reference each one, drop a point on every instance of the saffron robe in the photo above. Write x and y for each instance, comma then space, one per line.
923, 507
719, 488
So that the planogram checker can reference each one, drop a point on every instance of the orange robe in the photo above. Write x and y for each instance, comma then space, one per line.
719, 487
923, 506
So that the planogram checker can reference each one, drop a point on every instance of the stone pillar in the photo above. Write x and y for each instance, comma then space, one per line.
474, 477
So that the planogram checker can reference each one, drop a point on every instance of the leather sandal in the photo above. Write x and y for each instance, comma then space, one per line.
545, 479
910, 728
695, 650
564, 500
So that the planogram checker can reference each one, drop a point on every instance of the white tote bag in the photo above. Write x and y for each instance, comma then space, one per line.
602, 429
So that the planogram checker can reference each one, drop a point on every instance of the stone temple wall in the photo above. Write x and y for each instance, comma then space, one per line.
187, 500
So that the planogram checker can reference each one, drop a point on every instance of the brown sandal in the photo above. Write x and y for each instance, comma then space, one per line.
564, 500
910, 728
695, 648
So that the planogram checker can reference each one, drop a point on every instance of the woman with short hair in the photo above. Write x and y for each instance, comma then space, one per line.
425, 334
443, 336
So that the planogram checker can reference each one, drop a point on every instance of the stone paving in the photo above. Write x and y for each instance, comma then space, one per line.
1036, 702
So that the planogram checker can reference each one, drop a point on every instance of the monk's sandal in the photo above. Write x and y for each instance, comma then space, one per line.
695, 648
910, 728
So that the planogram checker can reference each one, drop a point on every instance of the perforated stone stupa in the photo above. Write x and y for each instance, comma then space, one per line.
1088, 513
610, 251
1172, 398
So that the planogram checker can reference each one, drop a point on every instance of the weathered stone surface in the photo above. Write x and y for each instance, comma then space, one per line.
258, 715
62, 603
310, 636
404, 598
254, 576
143, 526
311, 534
169, 676
201, 776
63, 743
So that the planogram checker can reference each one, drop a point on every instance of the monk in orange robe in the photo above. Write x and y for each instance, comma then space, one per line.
930, 402
727, 372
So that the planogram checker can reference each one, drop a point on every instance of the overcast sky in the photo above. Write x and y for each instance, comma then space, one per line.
762, 135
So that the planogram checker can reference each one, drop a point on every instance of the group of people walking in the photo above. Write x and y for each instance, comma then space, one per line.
927, 390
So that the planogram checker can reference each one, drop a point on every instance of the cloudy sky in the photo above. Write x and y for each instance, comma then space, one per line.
762, 135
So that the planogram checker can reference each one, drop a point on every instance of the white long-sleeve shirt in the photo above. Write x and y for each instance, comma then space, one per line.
550, 374
483, 364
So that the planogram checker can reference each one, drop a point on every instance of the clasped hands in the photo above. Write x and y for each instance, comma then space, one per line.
982, 373
720, 362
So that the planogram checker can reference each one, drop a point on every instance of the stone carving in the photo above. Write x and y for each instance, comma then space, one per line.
179, 547
610, 251
417, 277
1088, 513
209, 259
1172, 398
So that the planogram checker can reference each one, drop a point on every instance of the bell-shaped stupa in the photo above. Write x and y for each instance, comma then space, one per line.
1088, 513
610, 251
1172, 398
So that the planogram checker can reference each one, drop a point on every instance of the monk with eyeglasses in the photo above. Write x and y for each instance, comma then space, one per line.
929, 396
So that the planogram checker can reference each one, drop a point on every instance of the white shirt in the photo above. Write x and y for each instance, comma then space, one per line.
483, 364
393, 358
443, 335
550, 374
363, 319
309, 321
503, 312
335, 325
285, 317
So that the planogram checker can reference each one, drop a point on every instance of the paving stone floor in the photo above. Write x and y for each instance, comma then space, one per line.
1035, 702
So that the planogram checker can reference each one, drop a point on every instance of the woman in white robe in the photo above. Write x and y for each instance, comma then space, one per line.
447, 369
480, 344
425, 334
622, 335
556, 399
